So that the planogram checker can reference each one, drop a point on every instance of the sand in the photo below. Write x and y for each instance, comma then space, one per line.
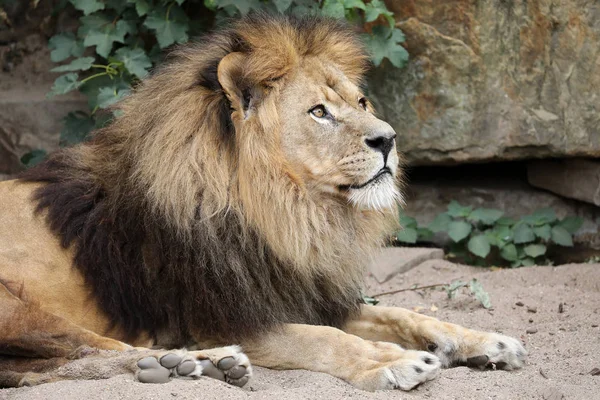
564, 349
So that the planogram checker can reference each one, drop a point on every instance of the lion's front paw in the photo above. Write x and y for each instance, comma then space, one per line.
413, 369
227, 364
481, 350
399, 369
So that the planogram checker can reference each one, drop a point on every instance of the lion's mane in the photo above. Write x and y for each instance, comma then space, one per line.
182, 225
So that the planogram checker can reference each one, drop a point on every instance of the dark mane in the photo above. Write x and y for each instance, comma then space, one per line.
225, 281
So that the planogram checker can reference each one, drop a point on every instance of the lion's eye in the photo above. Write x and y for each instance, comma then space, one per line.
363, 102
318, 111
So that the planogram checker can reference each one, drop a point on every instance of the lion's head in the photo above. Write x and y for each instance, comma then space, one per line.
249, 166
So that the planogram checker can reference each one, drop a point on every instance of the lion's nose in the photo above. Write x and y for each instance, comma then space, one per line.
382, 143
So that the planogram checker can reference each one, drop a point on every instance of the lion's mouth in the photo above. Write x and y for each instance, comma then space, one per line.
379, 174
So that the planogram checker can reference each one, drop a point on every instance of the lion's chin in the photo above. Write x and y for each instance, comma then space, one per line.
378, 195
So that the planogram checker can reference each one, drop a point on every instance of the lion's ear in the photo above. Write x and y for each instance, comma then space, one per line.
229, 72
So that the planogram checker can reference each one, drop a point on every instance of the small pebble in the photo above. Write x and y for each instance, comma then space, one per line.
531, 331
594, 325
561, 308
519, 303
595, 372
530, 319
532, 309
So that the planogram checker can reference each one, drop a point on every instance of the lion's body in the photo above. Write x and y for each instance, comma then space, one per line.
236, 199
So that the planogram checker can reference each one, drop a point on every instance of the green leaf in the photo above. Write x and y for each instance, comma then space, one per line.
424, 234
523, 234
243, 6
282, 5
171, 28
407, 222
349, 4
105, 36
135, 60
141, 7
407, 235
333, 9
108, 96
374, 9
480, 293
92, 87
509, 252
503, 235
63, 46
384, 42
479, 245
453, 287
527, 262
92, 22
456, 210
33, 157
77, 125
64, 84
543, 231
505, 221
78, 64
458, 230
561, 236
440, 223
571, 224
370, 300
87, 6
535, 250
487, 216
540, 217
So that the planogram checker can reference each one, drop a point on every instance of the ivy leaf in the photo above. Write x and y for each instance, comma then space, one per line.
480, 293
561, 236
407, 235
170, 24
87, 6
333, 8
141, 7
64, 84
487, 216
384, 42
505, 221
63, 46
535, 250
527, 262
33, 157
370, 300
440, 223
79, 64
523, 234
135, 60
543, 232
456, 210
374, 9
92, 87
407, 222
105, 36
107, 96
453, 287
77, 125
479, 245
243, 6
458, 230
424, 234
349, 4
571, 224
92, 22
509, 252
282, 5
541, 217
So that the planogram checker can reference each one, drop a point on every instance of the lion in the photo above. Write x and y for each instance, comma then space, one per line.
224, 218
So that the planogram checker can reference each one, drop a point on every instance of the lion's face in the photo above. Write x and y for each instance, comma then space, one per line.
333, 141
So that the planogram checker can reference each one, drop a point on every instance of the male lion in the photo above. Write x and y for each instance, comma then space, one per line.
236, 200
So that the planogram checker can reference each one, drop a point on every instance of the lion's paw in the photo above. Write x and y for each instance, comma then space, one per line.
227, 364
409, 369
497, 352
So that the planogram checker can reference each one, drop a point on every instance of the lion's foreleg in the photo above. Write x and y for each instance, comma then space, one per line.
453, 344
365, 364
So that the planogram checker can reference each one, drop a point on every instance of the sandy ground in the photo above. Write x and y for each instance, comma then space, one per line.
563, 351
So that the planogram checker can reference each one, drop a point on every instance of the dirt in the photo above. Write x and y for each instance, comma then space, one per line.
564, 344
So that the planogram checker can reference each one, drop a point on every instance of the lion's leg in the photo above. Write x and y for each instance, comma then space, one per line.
26, 330
365, 364
453, 344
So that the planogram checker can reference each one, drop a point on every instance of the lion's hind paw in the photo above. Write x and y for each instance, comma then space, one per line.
227, 364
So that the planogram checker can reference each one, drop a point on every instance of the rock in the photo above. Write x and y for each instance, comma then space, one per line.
394, 260
576, 179
531, 331
494, 80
